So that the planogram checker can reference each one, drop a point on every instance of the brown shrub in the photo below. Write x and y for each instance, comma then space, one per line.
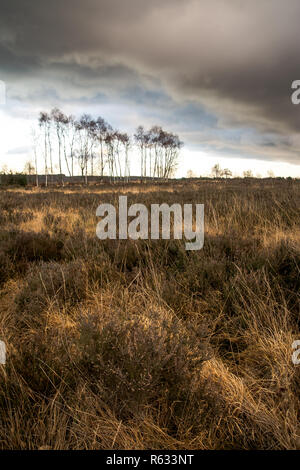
139, 361
52, 284
31, 246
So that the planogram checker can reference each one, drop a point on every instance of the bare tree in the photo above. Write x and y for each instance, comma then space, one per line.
29, 168
125, 140
44, 121
139, 137
85, 141
58, 119
190, 174
101, 131
155, 139
110, 141
71, 132
216, 171
35, 140
227, 173
65, 130
172, 146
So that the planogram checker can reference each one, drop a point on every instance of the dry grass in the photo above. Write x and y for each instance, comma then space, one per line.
142, 345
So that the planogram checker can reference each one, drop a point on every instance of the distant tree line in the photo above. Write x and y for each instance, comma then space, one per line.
218, 172
96, 148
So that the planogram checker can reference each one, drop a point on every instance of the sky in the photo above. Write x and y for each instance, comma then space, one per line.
218, 73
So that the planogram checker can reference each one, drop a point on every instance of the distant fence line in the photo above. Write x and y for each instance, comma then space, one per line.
9, 179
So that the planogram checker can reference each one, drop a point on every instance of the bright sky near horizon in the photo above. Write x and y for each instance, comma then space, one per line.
16, 150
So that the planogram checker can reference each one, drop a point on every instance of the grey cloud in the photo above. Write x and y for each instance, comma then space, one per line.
235, 60
18, 150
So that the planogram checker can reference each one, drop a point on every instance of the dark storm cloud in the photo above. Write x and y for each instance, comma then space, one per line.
235, 58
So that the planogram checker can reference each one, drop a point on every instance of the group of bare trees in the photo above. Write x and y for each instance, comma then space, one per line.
93, 146
158, 152
218, 172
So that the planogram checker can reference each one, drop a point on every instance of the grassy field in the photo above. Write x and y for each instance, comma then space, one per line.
143, 345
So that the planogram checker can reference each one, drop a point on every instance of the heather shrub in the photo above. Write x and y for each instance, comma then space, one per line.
52, 284
31, 246
6, 268
141, 360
